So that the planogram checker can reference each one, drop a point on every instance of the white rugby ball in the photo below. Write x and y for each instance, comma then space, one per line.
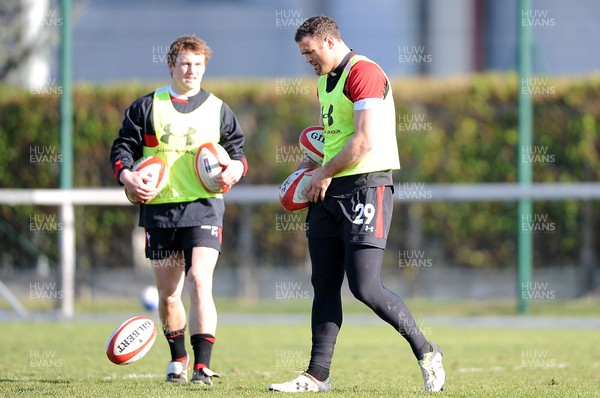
131, 340
291, 192
209, 162
312, 142
153, 168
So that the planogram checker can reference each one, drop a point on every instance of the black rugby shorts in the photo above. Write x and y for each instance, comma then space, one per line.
363, 218
163, 242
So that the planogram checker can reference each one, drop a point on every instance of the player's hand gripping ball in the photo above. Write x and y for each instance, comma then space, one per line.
153, 169
210, 160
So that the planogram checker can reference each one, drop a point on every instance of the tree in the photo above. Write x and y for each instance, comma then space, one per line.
25, 37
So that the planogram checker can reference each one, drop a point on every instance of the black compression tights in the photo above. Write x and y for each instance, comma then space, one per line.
362, 264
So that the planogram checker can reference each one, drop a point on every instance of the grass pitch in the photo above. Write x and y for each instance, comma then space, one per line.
68, 360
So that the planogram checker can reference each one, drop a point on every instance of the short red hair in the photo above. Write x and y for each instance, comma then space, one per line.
188, 43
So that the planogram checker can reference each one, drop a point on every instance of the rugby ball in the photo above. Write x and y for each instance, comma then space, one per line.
312, 142
209, 162
153, 168
291, 192
131, 340
149, 298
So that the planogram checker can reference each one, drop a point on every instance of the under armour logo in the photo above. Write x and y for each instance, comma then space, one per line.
369, 228
302, 386
327, 117
189, 136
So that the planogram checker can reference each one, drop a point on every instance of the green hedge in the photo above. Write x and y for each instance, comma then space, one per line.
450, 130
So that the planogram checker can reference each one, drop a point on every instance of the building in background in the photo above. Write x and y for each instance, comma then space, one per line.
117, 40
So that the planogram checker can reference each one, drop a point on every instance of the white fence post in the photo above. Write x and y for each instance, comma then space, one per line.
67, 259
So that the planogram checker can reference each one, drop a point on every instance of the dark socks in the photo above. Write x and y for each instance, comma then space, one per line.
176, 340
318, 372
425, 349
202, 345
326, 317
321, 354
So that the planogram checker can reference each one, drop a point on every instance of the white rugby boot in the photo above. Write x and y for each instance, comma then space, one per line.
302, 383
432, 369
177, 371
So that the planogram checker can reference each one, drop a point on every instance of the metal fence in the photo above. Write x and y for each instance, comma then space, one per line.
66, 199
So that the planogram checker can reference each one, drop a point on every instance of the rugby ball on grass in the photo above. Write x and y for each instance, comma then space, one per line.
209, 162
312, 142
291, 192
131, 340
153, 168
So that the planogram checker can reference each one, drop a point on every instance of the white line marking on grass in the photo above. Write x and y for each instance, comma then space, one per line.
502, 368
131, 376
492, 369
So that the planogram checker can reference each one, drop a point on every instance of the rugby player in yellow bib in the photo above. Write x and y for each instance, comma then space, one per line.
183, 222
351, 206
